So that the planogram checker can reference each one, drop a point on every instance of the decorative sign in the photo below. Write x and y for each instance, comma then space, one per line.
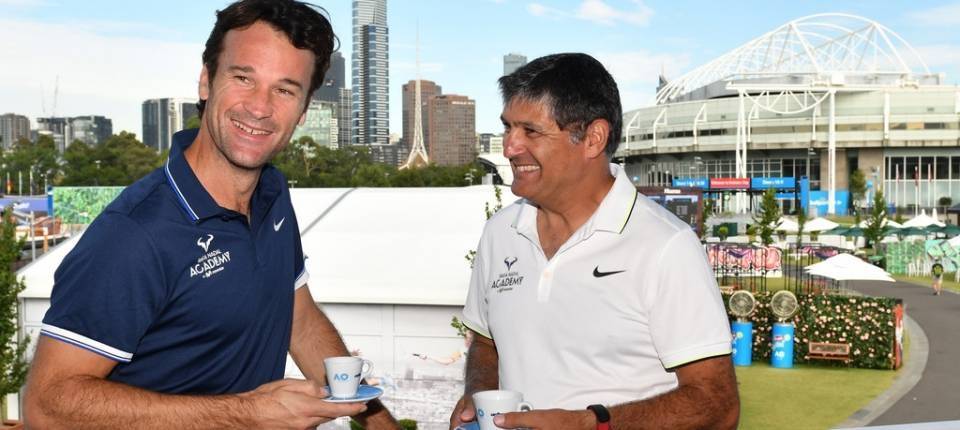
730, 183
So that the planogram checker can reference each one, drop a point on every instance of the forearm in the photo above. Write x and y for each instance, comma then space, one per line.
482, 369
689, 407
86, 402
314, 338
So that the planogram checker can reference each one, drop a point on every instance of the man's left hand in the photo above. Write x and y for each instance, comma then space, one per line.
548, 419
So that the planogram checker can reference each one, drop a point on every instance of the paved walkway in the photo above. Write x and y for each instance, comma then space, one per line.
936, 395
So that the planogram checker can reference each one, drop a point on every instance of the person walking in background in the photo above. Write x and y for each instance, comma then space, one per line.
937, 271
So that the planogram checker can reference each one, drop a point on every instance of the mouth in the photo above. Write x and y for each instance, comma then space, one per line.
525, 168
253, 131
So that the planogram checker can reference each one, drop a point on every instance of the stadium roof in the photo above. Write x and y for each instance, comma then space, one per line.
367, 245
831, 47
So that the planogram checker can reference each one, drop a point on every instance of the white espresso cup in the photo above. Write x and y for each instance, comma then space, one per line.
344, 375
496, 402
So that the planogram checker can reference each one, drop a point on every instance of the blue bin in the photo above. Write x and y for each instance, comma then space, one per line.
742, 342
782, 352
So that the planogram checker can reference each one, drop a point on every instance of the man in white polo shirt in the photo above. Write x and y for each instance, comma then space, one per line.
593, 301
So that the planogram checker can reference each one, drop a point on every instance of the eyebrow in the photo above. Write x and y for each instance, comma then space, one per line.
249, 69
525, 124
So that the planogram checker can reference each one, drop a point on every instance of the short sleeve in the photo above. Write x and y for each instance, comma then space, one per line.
108, 290
475, 309
299, 260
688, 319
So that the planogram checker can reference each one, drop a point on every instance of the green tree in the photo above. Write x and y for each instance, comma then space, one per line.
193, 122
78, 166
858, 189
707, 212
767, 220
122, 159
873, 232
13, 364
40, 157
801, 223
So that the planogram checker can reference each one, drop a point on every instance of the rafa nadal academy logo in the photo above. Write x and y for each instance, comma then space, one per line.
211, 262
511, 278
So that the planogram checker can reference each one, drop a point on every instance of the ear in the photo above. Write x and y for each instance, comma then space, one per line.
203, 87
303, 117
595, 138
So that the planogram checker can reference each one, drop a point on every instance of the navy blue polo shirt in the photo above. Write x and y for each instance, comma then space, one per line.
187, 297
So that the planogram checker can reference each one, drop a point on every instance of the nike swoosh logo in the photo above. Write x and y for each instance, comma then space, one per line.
276, 225
597, 273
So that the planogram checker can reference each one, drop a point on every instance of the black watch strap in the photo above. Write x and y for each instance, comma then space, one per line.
603, 415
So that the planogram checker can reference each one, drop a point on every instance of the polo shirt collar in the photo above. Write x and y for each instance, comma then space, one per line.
610, 216
196, 202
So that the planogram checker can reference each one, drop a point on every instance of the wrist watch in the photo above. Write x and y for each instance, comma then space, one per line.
603, 416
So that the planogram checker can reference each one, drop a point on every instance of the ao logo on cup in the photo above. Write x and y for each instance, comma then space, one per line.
339, 369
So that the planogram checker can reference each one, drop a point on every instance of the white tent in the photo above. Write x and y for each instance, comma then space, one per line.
922, 220
846, 267
819, 224
787, 225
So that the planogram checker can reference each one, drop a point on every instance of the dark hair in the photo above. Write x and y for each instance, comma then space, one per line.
577, 88
301, 22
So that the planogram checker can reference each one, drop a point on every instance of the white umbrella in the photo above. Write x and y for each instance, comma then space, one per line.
845, 267
819, 224
922, 220
786, 224
886, 223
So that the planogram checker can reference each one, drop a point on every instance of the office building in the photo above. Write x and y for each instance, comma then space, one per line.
55, 127
164, 117
451, 120
13, 127
370, 72
333, 81
512, 62
90, 129
428, 90
320, 124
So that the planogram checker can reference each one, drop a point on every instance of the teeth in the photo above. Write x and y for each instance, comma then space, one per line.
248, 129
527, 168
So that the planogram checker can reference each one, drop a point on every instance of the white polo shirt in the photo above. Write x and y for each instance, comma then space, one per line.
629, 295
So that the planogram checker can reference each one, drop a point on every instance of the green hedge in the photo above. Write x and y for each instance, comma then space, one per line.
866, 323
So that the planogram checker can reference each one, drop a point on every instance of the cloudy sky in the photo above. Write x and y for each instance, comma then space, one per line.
105, 57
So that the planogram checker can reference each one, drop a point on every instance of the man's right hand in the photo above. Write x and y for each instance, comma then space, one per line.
296, 404
463, 413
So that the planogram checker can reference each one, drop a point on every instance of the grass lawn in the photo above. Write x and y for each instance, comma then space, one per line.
806, 396
948, 283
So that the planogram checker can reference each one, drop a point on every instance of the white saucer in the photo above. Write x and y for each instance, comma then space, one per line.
365, 393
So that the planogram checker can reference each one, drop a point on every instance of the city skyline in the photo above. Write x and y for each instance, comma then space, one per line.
111, 56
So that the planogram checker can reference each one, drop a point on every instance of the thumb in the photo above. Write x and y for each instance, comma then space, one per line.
513, 420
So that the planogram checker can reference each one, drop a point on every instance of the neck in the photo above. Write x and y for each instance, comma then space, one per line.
577, 203
229, 185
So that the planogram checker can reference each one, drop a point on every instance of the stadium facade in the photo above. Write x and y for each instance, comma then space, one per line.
816, 98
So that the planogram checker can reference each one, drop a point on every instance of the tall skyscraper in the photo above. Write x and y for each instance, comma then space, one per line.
453, 130
428, 89
13, 127
90, 129
333, 81
512, 62
164, 117
371, 103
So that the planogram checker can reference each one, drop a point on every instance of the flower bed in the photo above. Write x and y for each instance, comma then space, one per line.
868, 324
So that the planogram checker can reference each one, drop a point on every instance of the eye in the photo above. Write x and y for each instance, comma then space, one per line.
531, 132
242, 79
285, 92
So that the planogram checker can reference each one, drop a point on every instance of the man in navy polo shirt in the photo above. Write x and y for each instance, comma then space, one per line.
178, 306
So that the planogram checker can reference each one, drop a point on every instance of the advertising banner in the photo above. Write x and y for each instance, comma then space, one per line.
691, 182
730, 183
80, 205
819, 201
765, 183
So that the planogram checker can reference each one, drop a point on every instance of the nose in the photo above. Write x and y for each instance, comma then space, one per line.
512, 144
258, 102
